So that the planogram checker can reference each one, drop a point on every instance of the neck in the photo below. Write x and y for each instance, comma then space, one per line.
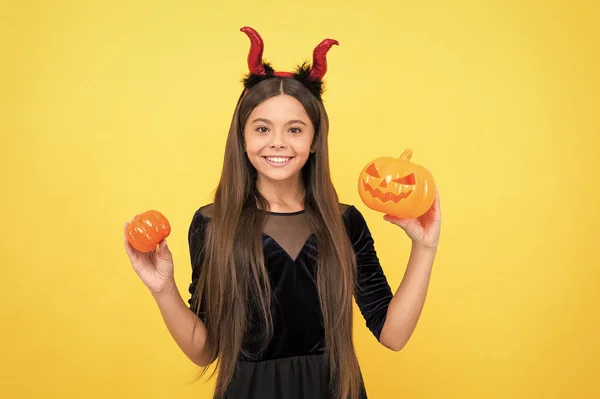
283, 196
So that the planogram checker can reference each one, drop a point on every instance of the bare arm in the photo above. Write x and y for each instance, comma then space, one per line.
180, 320
155, 269
407, 304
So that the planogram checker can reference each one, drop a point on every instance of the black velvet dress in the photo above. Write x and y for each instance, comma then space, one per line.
292, 365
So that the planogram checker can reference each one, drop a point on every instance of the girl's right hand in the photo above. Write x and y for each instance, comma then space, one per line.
154, 268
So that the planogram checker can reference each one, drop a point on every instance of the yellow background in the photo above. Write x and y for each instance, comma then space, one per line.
109, 108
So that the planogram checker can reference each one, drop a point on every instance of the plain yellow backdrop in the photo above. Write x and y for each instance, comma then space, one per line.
110, 108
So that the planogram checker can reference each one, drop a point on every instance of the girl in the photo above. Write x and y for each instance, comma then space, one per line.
277, 259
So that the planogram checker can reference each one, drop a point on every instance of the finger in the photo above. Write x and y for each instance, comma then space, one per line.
438, 208
163, 250
403, 223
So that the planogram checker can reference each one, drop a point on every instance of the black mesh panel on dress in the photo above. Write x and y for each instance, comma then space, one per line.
289, 230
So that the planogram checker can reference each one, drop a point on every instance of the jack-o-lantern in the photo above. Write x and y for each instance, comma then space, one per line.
396, 186
147, 230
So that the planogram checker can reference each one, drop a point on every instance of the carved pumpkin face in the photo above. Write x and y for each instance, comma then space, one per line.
147, 230
396, 186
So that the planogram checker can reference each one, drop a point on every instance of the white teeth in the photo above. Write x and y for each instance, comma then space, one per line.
277, 159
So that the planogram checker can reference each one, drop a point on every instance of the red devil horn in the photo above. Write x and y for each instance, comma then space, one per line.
319, 66
255, 64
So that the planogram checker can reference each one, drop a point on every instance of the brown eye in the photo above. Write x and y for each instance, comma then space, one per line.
372, 171
408, 179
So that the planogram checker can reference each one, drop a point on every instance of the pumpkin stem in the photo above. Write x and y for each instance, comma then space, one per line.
406, 155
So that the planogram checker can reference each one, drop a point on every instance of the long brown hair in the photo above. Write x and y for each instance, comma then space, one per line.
234, 277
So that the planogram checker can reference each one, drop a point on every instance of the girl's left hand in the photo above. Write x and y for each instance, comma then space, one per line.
424, 230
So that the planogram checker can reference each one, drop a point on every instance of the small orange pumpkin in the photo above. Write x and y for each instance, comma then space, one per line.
147, 230
396, 186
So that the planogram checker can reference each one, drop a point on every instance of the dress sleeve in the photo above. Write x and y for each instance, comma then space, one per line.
196, 236
373, 293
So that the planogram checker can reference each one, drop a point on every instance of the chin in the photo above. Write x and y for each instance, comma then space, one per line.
278, 176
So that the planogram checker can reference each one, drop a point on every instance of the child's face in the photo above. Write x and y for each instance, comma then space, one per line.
278, 137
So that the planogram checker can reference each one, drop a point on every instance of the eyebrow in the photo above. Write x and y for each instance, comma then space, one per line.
269, 122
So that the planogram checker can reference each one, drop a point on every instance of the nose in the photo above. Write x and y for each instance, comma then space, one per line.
277, 142
277, 145
383, 184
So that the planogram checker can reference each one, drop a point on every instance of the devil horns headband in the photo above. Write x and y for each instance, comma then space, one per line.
310, 75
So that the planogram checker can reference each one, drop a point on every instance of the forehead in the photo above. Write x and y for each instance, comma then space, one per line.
279, 109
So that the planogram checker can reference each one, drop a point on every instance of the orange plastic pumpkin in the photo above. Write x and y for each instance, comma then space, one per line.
396, 186
147, 230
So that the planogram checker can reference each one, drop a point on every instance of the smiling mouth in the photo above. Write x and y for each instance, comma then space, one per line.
278, 160
376, 193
